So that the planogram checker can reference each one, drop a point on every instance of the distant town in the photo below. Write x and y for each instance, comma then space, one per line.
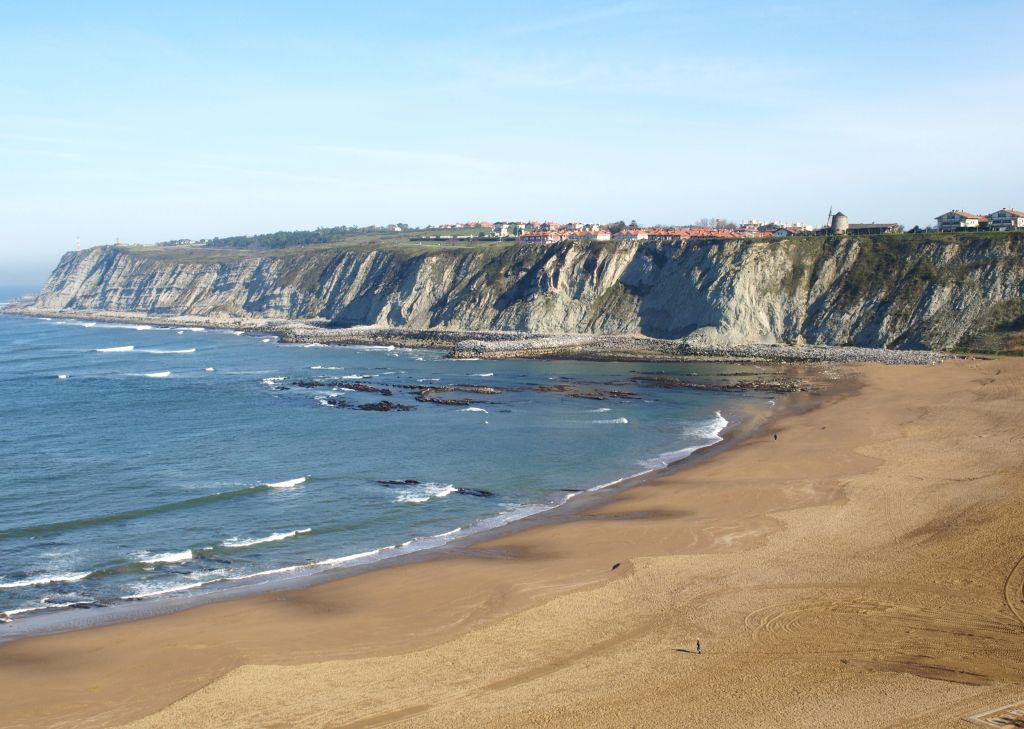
536, 232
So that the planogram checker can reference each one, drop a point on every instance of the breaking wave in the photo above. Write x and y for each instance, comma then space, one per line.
165, 557
289, 484
425, 492
44, 580
235, 542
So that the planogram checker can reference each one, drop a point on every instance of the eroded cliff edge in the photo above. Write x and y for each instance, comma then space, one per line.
906, 291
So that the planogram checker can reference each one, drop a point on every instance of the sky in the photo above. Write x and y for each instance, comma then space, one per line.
144, 122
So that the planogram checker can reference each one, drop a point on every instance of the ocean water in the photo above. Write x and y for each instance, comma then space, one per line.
144, 461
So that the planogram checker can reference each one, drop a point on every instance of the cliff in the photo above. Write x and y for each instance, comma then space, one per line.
936, 292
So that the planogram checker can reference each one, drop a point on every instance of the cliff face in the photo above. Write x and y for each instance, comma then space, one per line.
897, 291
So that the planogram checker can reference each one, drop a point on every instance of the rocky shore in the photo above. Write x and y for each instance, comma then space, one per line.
511, 345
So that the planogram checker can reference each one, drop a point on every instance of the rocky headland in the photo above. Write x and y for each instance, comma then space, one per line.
896, 298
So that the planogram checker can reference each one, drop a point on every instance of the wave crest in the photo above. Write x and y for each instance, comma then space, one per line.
290, 483
235, 542
44, 580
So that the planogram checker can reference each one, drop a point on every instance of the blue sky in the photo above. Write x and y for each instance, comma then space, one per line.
146, 121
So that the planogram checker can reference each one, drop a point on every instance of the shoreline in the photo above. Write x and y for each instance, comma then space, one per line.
510, 344
65, 619
862, 569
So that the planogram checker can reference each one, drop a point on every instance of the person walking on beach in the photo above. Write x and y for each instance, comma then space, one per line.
698, 647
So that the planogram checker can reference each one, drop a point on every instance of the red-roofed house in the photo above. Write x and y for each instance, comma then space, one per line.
1006, 219
670, 234
589, 235
960, 220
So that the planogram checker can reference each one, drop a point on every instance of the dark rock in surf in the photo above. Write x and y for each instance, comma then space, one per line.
474, 492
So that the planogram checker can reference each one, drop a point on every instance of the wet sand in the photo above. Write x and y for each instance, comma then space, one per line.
862, 569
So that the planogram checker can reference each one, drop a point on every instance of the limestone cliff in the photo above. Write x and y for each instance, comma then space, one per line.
938, 292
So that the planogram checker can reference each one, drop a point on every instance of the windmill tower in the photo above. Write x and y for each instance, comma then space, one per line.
78, 244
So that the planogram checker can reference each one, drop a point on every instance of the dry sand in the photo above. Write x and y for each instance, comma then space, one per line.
865, 569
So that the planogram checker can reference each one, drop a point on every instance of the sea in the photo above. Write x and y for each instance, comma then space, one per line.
139, 462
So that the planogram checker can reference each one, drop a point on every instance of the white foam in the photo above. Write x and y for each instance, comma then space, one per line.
613, 421
313, 344
425, 492
483, 374
600, 410
473, 410
429, 379
143, 327
209, 369
165, 557
44, 580
351, 557
62, 377
237, 333
708, 434
235, 542
357, 377
165, 373
271, 381
266, 339
152, 593
379, 348
125, 348
290, 483
169, 351
324, 367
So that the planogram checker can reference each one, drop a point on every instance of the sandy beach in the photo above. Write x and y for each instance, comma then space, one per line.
864, 568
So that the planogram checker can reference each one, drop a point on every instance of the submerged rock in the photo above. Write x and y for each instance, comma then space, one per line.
385, 406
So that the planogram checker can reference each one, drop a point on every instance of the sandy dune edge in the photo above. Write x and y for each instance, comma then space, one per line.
862, 570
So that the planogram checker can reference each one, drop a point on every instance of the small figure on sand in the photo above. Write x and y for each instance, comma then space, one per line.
698, 647
775, 436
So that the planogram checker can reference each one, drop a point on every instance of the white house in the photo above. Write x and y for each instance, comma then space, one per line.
631, 234
506, 230
540, 237
1006, 219
960, 220
788, 232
